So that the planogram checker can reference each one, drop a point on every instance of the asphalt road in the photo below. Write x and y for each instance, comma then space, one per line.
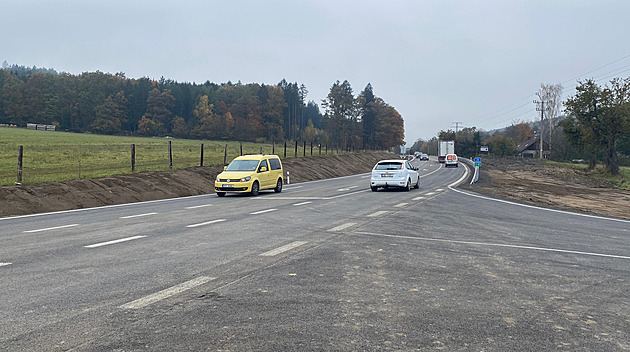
322, 266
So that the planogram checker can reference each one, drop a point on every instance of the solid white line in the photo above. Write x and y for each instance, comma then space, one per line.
303, 203
206, 223
430, 193
262, 211
540, 208
52, 228
497, 245
5, 264
399, 205
366, 176
136, 216
283, 249
346, 194
418, 198
199, 206
378, 213
150, 299
342, 227
439, 189
114, 241
290, 198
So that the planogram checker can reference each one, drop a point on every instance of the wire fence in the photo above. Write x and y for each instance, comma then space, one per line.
41, 163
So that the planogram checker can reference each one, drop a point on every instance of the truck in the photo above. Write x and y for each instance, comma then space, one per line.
445, 147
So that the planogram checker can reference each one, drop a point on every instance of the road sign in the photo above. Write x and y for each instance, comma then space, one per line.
477, 159
477, 164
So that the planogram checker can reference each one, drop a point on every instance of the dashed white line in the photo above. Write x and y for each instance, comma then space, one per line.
342, 227
206, 223
114, 241
262, 211
199, 206
52, 228
169, 292
283, 249
400, 205
430, 193
346, 189
5, 264
136, 216
418, 198
303, 203
378, 213
439, 189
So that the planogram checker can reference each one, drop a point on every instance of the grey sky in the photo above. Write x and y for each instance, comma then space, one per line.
436, 62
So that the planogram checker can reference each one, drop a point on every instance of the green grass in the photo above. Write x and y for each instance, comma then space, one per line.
60, 156
621, 181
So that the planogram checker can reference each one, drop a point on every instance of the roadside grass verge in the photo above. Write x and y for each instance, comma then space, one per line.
61, 156
621, 181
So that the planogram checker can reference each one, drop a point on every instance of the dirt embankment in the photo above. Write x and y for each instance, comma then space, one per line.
552, 186
145, 186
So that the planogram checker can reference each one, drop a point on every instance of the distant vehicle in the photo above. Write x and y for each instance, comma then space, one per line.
444, 148
424, 156
394, 173
451, 160
250, 174
417, 155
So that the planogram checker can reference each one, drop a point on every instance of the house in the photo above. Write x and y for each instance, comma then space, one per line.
531, 148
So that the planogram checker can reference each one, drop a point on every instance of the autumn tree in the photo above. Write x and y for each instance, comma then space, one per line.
111, 115
599, 118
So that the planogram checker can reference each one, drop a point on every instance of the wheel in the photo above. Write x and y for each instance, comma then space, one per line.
221, 194
417, 185
374, 189
278, 188
255, 188
408, 186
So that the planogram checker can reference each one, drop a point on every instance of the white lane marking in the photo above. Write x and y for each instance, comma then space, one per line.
497, 245
206, 223
52, 228
366, 176
199, 206
342, 227
461, 179
378, 213
418, 198
303, 203
114, 241
432, 172
283, 249
346, 189
169, 292
290, 198
262, 211
430, 193
540, 208
400, 205
136, 216
5, 264
439, 189
292, 187
346, 194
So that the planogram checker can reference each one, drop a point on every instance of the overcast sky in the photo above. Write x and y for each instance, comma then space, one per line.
477, 63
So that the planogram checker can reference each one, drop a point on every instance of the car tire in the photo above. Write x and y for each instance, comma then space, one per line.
374, 189
278, 188
417, 185
255, 188
221, 194
408, 186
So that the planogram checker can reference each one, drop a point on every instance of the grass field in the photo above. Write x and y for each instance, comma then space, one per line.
621, 181
60, 156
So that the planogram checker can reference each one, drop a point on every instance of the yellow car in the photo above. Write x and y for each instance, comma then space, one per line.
250, 174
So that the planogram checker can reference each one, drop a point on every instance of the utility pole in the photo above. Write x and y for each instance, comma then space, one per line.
457, 123
542, 119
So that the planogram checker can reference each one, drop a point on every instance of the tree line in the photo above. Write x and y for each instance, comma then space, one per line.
104, 103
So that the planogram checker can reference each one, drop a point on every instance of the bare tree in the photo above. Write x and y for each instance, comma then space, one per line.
551, 94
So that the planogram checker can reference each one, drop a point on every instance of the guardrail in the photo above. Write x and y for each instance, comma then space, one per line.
471, 163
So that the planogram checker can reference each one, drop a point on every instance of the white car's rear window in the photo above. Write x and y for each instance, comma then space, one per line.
388, 166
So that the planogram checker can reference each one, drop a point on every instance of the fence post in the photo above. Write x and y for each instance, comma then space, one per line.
320, 148
19, 166
273, 147
311, 148
225, 156
170, 155
304, 149
295, 149
326, 149
201, 161
260, 150
133, 158
241, 148
285, 149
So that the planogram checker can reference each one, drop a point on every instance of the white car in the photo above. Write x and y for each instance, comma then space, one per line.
394, 173
451, 160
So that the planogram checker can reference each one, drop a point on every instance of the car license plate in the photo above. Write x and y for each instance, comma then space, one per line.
386, 175
228, 186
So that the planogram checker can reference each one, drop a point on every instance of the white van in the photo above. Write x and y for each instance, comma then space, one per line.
451, 160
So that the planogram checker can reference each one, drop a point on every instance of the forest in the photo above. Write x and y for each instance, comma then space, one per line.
113, 104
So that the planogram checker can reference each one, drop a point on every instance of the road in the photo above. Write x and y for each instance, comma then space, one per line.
323, 266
